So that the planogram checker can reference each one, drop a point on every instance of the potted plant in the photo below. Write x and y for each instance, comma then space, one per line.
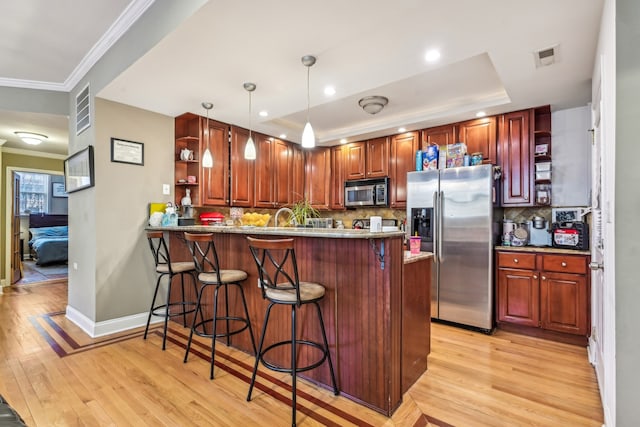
302, 209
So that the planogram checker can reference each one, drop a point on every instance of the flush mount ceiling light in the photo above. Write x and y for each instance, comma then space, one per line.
250, 147
207, 158
308, 137
31, 138
373, 104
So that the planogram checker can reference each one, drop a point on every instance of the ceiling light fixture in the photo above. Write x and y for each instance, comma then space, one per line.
432, 56
263, 113
402, 130
31, 138
283, 136
207, 158
329, 90
373, 104
308, 137
343, 141
481, 114
250, 147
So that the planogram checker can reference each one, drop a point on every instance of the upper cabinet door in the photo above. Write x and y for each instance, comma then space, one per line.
264, 170
318, 177
242, 170
354, 160
338, 153
296, 180
215, 184
480, 136
403, 160
440, 135
377, 158
515, 154
280, 179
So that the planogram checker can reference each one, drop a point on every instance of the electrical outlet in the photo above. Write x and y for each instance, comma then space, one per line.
75, 265
594, 336
258, 282
166, 189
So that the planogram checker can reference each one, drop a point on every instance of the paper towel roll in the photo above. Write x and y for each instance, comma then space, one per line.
375, 224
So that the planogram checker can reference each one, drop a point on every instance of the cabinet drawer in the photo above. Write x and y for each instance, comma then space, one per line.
565, 263
516, 260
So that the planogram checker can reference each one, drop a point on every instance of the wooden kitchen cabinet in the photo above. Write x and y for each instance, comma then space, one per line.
215, 180
480, 136
271, 172
338, 154
296, 180
515, 158
377, 158
318, 177
439, 135
401, 160
354, 160
242, 170
546, 293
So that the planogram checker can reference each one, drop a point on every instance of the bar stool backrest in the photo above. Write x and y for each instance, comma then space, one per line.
160, 251
276, 263
203, 251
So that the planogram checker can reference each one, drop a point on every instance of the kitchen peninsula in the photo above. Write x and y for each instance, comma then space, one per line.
376, 306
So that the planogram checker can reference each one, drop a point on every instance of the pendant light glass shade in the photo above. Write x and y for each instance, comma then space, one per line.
308, 137
250, 147
207, 158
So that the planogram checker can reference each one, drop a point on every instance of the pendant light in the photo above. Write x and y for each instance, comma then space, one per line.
207, 158
250, 147
308, 137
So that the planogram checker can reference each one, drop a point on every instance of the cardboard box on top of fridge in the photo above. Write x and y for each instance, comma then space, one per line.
455, 154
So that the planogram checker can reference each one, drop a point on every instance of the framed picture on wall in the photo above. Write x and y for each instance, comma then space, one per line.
57, 189
78, 170
124, 151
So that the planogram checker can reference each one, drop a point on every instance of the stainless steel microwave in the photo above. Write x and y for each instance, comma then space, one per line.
366, 192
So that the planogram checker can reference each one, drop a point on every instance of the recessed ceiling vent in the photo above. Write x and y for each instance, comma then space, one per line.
83, 110
545, 57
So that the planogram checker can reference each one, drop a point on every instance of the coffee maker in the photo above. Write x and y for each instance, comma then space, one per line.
539, 233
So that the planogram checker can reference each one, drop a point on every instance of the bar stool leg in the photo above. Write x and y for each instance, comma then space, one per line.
195, 319
326, 346
293, 365
259, 351
184, 306
226, 308
213, 332
153, 303
246, 313
166, 313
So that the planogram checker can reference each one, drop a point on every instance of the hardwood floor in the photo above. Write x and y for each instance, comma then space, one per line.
53, 374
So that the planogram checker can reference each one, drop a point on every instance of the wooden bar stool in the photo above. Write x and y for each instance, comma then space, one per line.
280, 284
165, 267
206, 262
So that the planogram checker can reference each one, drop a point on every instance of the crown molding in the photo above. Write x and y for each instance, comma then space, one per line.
128, 17
32, 153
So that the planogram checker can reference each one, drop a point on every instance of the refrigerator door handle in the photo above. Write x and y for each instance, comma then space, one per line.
435, 227
440, 228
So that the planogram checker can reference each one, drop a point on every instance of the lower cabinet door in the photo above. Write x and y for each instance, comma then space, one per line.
564, 303
518, 297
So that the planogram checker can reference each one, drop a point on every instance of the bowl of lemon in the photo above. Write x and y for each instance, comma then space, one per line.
255, 219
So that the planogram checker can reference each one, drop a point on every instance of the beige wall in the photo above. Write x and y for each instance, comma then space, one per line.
124, 277
20, 161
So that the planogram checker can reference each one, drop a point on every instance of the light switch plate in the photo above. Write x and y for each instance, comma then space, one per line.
166, 189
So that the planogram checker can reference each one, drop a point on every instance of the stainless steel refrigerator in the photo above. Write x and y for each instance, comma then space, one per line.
454, 212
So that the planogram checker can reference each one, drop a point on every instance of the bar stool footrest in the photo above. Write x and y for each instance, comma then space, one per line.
298, 368
218, 320
160, 310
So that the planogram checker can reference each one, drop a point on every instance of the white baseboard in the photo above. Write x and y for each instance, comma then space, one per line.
111, 326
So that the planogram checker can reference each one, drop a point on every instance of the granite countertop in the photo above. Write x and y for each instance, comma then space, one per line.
542, 249
334, 233
409, 257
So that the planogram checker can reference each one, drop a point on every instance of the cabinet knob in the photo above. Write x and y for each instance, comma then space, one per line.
515, 260
564, 264
535, 276
544, 278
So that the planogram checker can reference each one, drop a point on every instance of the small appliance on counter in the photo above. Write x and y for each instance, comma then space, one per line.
365, 223
570, 235
520, 235
211, 218
539, 233
319, 222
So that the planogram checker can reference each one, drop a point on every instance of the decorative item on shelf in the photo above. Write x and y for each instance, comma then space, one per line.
191, 179
308, 137
542, 150
186, 154
250, 147
207, 158
186, 200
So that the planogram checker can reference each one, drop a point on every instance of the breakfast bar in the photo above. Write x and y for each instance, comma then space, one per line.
376, 306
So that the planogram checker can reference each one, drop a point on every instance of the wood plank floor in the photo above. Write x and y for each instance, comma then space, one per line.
53, 374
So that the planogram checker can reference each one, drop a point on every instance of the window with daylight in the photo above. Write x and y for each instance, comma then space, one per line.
34, 193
